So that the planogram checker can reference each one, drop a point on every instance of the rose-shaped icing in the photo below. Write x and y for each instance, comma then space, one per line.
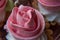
25, 23
52, 11
50, 2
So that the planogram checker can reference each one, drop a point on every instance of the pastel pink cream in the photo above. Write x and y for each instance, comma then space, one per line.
25, 23
50, 2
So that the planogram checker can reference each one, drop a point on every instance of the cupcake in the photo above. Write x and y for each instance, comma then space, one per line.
51, 9
25, 23
2, 12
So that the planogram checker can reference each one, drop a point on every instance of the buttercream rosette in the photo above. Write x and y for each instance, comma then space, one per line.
50, 2
51, 9
25, 23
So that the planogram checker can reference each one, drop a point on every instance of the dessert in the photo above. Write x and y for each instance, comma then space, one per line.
25, 23
51, 9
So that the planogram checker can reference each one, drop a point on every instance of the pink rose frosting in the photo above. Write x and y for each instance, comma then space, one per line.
51, 9
50, 2
25, 23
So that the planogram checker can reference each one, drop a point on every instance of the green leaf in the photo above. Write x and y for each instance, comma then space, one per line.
9, 5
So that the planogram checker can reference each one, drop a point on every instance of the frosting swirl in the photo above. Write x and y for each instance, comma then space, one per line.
25, 23
51, 3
